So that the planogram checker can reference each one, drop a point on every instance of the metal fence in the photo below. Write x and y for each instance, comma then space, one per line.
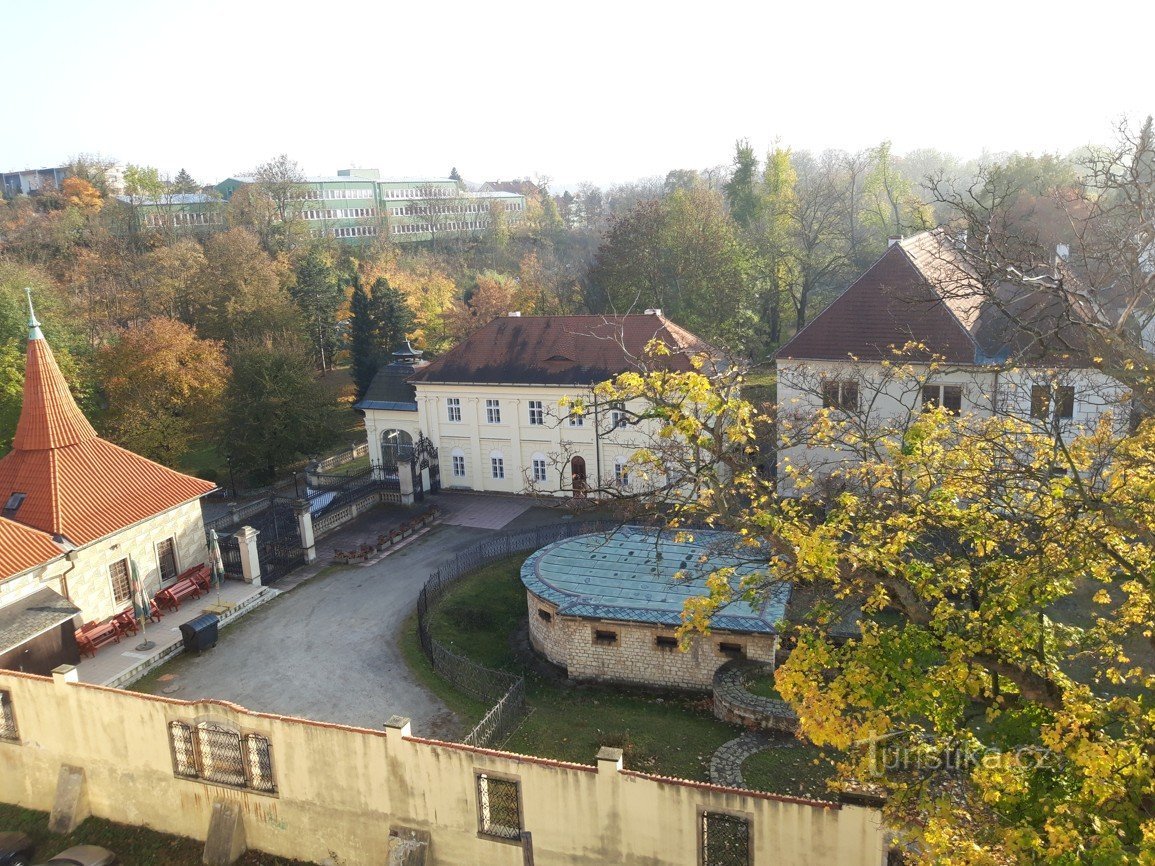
506, 690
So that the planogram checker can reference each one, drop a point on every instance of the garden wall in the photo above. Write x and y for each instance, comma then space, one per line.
339, 790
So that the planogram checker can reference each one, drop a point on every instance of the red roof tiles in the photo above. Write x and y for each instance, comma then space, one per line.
560, 350
22, 548
76, 484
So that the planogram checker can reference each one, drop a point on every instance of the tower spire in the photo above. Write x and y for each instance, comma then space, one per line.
34, 332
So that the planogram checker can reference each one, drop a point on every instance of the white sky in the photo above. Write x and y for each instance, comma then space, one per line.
594, 91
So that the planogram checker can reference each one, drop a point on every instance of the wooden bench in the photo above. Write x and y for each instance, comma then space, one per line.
125, 622
93, 635
201, 575
172, 597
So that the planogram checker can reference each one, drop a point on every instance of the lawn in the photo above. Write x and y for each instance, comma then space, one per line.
761, 683
134, 846
799, 768
671, 733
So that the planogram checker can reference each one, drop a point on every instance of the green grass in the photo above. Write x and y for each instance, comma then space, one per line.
800, 769
671, 733
134, 846
762, 684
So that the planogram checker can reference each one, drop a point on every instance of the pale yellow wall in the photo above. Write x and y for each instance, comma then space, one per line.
87, 582
514, 437
340, 789
635, 658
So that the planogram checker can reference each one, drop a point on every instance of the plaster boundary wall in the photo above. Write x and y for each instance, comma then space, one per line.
341, 789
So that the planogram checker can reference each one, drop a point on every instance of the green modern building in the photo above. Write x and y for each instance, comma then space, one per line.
358, 205
180, 213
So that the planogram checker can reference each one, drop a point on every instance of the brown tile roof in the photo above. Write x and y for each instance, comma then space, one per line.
888, 306
560, 350
923, 290
22, 548
76, 484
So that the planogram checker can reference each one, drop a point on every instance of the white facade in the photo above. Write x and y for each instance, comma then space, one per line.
489, 437
890, 394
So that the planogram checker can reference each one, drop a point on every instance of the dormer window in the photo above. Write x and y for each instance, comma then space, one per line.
13, 504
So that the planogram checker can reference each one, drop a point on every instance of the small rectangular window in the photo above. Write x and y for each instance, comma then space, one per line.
458, 466
731, 649
949, 397
539, 469
493, 411
13, 504
666, 641
498, 807
1040, 401
536, 413
725, 840
498, 466
8, 731
606, 638
840, 395
166, 559
121, 585
618, 417
545, 615
577, 420
1065, 401
453, 408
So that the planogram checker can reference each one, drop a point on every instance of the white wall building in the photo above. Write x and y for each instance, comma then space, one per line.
916, 329
494, 407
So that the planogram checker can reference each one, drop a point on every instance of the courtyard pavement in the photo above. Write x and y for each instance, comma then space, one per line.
328, 650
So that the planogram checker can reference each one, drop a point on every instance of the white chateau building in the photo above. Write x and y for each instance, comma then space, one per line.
921, 308
494, 413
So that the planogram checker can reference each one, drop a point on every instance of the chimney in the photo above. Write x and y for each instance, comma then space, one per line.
654, 311
892, 240
516, 314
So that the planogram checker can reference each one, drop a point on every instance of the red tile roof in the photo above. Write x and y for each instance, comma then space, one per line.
22, 548
560, 350
76, 484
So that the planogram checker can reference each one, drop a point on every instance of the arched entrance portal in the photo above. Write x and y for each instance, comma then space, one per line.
396, 445
577, 470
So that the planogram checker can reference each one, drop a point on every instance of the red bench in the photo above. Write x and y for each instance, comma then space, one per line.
201, 575
172, 597
93, 635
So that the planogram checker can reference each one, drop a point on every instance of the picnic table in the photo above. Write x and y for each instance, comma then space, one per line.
189, 584
93, 635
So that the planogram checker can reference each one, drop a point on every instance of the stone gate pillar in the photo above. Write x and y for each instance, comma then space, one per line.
250, 560
405, 477
305, 525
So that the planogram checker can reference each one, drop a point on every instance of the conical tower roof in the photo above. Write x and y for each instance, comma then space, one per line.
63, 479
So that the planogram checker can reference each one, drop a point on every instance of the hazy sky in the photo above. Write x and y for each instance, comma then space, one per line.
585, 90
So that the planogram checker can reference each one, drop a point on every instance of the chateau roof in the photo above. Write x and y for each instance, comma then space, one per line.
561, 350
635, 574
22, 548
923, 290
74, 484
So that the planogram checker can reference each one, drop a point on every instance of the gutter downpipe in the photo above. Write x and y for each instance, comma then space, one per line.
597, 442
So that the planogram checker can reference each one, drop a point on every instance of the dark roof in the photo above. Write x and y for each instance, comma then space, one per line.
888, 306
923, 290
561, 350
33, 615
391, 390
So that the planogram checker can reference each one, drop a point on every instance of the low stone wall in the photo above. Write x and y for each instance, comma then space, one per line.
638, 653
734, 703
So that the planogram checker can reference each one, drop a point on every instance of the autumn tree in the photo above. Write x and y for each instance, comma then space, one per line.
163, 387
238, 292
276, 411
272, 204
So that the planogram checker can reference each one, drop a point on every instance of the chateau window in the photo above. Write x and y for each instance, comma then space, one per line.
493, 411
8, 731
840, 395
225, 757
121, 585
576, 419
621, 473
536, 413
545, 615
731, 649
540, 472
605, 637
725, 840
458, 465
949, 397
166, 559
665, 642
497, 465
1044, 397
453, 408
618, 416
498, 807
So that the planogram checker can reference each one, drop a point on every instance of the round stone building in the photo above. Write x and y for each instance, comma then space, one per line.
605, 606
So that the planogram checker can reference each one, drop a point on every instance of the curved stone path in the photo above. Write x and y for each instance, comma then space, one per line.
726, 763
734, 703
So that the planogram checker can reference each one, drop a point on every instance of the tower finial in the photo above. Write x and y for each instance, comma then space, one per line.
34, 332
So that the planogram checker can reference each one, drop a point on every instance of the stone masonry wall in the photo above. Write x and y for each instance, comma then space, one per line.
635, 656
